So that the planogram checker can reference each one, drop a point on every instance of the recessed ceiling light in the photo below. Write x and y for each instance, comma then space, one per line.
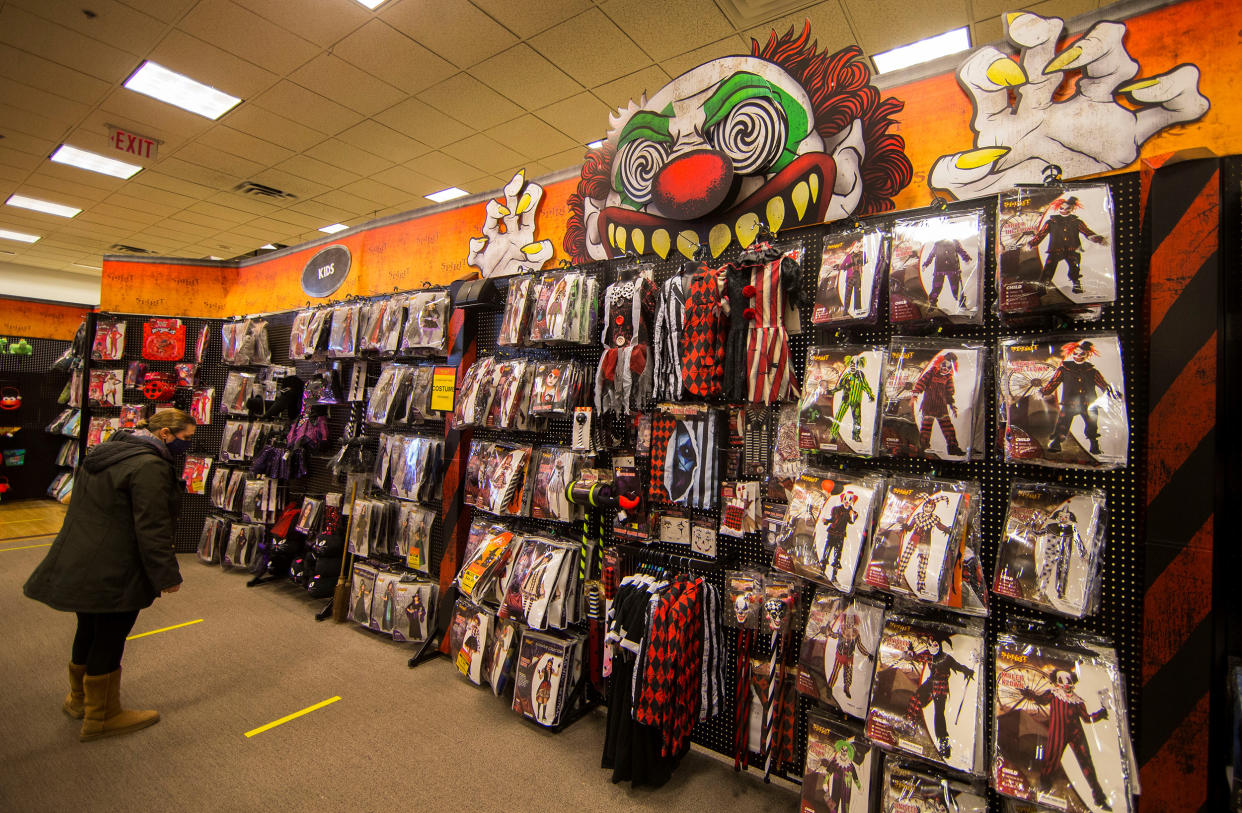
268, 247
168, 86
950, 42
214, 257
452, 193
595, 145
18, 236
334, 228
94, 162
373, 4
37, 205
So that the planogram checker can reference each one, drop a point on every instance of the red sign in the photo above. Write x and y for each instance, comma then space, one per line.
132, 144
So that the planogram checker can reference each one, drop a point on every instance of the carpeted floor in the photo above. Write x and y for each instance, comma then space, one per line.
398, 738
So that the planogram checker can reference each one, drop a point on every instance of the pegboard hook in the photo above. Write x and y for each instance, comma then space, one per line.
1052, 174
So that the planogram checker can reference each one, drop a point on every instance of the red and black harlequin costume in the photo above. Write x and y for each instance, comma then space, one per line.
702, 346
767, 366
936, 385
935, 688
918, 530
848, 640
1066, 714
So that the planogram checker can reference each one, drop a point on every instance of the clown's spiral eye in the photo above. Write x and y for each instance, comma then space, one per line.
752, 135
636, 166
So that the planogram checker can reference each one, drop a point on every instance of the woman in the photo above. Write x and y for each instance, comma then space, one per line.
113, 556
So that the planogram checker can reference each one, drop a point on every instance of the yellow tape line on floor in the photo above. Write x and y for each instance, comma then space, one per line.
163, 629
27, 547
293, 716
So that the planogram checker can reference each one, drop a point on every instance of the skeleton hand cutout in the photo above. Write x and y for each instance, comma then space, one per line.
508, 244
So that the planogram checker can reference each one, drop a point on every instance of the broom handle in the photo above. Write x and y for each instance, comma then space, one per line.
347, 558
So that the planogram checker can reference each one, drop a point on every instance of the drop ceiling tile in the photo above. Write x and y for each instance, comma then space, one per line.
256, 206
297, 221
51, 77
454, 29
299, 104
531, 136
211, 65
470, 101
527, 19
157, 195
49, 40
166, 10
343, 83
384, 141
732, 45
28, 110
189, 179
348, 157
830, 28
408, 180
234, 142
271, 127
447, 169
583, 117
207, 156
199, 219
525, 77
531, 169
317, 208
386, 53
348, 205
591, 49
484, 153
567, 159
323, 22
1065, 9
53, 175
420, 121
12, 175
678, 26
245, 34
621, 92
34, 146
306, 167
70, 194
381, 194
484, 184
884, 24
295, 185
113, 23
984, 32
227, 215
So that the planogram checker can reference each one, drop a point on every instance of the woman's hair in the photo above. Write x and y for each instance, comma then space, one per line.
175, 419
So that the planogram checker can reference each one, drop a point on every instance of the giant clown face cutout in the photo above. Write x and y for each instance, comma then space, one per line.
787, 136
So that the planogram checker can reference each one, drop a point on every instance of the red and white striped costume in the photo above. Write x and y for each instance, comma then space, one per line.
769, 365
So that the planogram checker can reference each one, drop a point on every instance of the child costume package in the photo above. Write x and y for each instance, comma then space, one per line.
917, 538
840, 768
828, 526
933, 400
937, 269
840, 407
853, 264
1054, 248
837, 660
908, 788
1063, 402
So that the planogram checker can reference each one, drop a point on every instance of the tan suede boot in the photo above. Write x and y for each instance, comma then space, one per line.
73, 701
104, 716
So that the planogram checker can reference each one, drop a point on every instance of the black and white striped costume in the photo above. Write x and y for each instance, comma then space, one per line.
668, 325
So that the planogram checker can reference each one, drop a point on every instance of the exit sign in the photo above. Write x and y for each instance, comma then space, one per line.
132, 144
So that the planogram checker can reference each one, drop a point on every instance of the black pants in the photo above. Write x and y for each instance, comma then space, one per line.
100, 640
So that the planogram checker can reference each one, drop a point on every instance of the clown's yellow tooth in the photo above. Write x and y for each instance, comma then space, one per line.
620, 238
973, 159
718, 238
800, 195
1006, 73
1064, 60
660, 243
814, 182
776, 214
746, 228
524, 203
687, 243
1139, 85
503, 210
612, 233
640, 242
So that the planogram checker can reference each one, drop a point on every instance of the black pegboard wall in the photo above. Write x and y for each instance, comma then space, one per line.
39, 389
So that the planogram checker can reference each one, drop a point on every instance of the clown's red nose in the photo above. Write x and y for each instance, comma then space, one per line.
693, 185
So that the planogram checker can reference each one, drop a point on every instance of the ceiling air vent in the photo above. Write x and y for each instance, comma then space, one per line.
263, 190
121, 247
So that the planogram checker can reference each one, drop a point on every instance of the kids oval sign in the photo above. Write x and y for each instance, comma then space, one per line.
326, 271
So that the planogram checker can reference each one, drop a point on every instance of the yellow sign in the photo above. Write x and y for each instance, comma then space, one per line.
443, 388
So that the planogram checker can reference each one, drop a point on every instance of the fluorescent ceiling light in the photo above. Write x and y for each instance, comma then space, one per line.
91, 267
269, 247
19, 236
950, 42
334, 228
373, 4
158, 82
42, 206
595, 145
452, 193
94, 162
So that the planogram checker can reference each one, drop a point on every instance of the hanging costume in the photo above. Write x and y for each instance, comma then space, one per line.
702, 349
767, 366
670, 317
623, 379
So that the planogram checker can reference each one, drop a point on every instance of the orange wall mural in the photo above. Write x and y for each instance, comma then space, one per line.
935, 123
39, 320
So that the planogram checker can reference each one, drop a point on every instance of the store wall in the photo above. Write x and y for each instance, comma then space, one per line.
1182, 98
23, 319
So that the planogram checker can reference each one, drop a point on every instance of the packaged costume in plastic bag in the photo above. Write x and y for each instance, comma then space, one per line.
343, 334
837, 660
163, 339
937, 268
426, 326
557, 387
297, 335
839, 410
841, 768
1060, 737
1063, 401
1051, 547
482, 563
933, 400
106, 388
362, 590
911, 788
238, 388
109, 344
927, 698
1054, 248
413, 535
554, 469
915, 538
828, 526
382, 320
850, 273
415, 609
516, 320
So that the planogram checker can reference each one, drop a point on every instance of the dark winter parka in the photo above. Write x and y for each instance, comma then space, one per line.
115, 551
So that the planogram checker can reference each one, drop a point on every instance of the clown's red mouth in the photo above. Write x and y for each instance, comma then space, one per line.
797, 196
